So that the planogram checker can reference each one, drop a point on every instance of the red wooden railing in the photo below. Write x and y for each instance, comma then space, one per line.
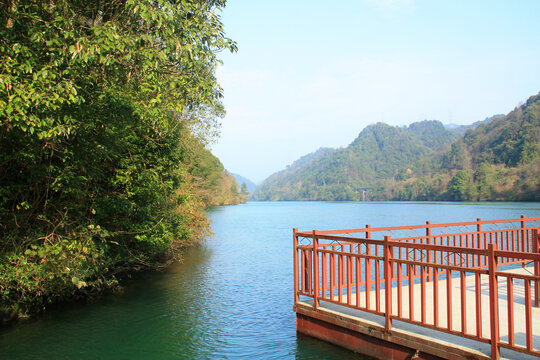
353, 272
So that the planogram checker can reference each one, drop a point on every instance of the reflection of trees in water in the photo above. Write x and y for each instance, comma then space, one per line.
188, 313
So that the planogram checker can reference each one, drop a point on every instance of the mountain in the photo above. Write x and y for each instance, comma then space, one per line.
250, 185
494, 159
461, 129
378, 152
497, 160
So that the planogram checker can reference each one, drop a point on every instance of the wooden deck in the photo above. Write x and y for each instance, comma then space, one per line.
467, 290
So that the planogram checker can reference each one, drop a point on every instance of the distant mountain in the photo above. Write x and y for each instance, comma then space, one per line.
461, 129
494, 159
497, 160
378, 153
251, 186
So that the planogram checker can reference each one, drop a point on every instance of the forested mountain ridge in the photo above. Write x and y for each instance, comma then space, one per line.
494, 159
498, 160
340, 174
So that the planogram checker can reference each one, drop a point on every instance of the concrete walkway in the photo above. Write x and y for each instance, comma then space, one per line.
470, 307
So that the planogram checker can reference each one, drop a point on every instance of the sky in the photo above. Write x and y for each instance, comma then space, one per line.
311, 74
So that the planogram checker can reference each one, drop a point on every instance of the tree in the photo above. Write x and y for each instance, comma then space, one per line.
102, 108
460, 186
244, 189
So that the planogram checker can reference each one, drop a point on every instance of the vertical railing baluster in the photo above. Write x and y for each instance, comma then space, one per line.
410, 271
423, 293
478, 296
367, 274
449, 299
528, 316
493, 301
309, 254
368, 263
358, 276
399, 285
510, 298
349, 275
463, 293
436, 297
536, 250
387, 284
455, 253
428, 241
377, 281
523, 247
332, 272
340, 275
513, 241
315, 270
304, 268
295, 262
478, 240
324, 280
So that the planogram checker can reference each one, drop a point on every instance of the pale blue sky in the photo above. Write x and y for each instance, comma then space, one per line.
312, 74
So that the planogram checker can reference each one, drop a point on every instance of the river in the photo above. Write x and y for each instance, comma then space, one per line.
230, 298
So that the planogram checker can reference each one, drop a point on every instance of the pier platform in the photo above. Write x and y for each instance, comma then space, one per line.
364, 332
433, 293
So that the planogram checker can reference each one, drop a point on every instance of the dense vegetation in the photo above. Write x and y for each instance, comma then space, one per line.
105, 111
499, 160
341, 174
494, 159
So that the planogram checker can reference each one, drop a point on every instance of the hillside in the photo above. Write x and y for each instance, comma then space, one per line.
376, 154
240, 180
498, 160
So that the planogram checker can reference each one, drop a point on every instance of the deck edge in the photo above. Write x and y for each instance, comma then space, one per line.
355, 333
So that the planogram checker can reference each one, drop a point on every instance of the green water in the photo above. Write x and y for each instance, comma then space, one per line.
229, 299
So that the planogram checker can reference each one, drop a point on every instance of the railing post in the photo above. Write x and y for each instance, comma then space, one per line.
536, 250
368, 267
522, 236
493, 301
295, 265
315, 270
387, 283
428, 241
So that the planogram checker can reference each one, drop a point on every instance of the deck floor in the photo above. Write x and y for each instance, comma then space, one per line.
470, 307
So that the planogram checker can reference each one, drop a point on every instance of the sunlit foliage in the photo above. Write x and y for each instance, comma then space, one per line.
105, 108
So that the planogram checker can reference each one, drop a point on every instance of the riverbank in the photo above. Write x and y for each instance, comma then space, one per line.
71, 271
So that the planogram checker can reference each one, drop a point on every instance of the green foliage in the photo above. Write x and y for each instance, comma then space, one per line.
500, 157
380, 152
460, 186
496, 159
104, 112
244, 189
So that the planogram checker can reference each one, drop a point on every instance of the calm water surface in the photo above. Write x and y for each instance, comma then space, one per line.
229, 299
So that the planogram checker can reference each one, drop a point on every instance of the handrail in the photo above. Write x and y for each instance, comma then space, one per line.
423, 226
